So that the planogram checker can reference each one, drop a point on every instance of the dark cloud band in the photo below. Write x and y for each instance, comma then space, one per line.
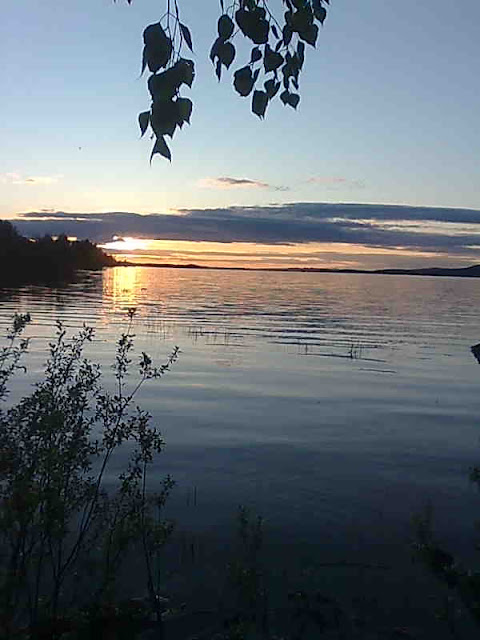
369, 225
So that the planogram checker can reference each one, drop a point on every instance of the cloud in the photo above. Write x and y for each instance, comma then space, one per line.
15, 178
331, 183
327, 180
226, 182
430, 229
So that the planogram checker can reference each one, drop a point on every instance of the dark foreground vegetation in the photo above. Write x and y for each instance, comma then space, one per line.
83, 547
45, 259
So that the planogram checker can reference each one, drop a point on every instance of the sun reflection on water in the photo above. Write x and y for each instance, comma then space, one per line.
122, 286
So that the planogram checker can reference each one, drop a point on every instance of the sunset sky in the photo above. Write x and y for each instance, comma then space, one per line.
388, 116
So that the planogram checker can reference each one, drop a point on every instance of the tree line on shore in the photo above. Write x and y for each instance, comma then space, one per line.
45, 259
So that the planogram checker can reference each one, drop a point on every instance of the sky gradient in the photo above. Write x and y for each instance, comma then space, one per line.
388, 115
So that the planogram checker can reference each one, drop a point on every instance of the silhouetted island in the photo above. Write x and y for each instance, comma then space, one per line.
462, 272
47, 259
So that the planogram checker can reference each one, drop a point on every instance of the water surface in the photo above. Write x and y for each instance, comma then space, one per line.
334, 404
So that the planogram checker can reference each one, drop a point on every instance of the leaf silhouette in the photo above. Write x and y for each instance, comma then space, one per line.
243, 81
225, 27
259, 103
184, 71
214, 50
161, 148
226, 53
218, 69
284, 96
319, 11
292, 99
253, 24
164, 118
158, 47
152, 33
143, 120
256, 55
310, 35
301, 53
271, 87
187, 36
271, 59
163, 86
184, 108
287, 34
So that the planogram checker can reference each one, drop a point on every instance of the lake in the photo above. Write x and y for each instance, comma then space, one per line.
335, 405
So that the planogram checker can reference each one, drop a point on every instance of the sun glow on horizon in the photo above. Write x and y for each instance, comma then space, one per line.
256, 255
127, 244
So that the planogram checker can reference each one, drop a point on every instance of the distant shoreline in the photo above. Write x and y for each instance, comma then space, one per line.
462, 272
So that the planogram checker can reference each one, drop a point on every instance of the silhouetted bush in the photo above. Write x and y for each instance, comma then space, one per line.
63, 536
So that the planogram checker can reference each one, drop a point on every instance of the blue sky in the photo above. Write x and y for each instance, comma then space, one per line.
389, 113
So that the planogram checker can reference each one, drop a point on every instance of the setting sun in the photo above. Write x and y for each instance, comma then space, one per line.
126, 244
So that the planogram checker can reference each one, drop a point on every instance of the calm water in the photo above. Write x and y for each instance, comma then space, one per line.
336, 405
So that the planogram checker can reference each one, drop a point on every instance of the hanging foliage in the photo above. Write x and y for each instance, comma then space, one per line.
276, 59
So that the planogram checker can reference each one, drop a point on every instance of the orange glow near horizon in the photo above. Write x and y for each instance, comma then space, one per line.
251, 255
127, 244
